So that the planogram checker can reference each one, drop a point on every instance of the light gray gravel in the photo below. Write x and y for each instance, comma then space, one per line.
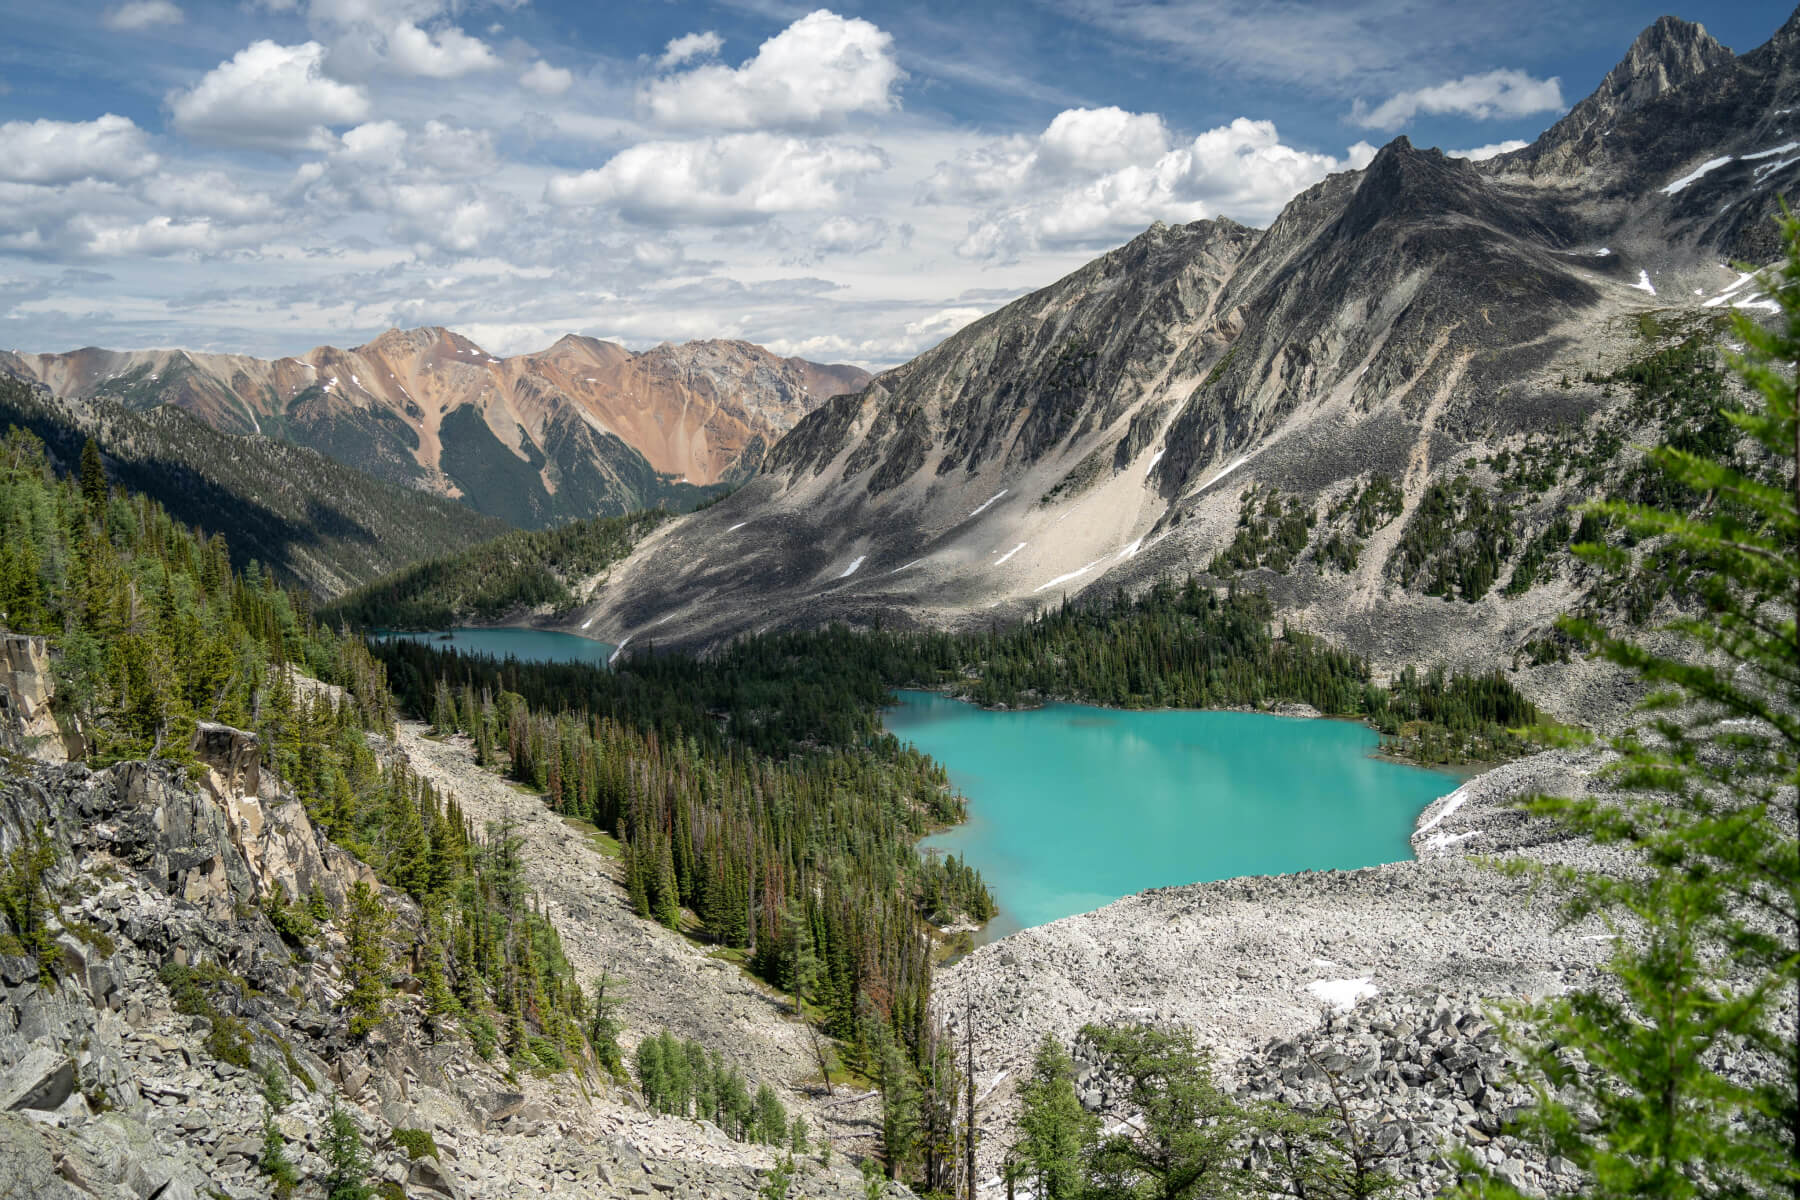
1235, 959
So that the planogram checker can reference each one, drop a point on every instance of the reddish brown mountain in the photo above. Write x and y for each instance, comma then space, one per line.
581, 428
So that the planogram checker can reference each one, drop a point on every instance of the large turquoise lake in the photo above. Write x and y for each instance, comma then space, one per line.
1072, 807
526, 645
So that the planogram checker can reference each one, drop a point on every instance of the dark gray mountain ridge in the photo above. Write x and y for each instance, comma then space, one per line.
1410, 319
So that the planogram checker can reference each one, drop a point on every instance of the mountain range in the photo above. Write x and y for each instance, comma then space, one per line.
315, 523
1338, 409
583, 428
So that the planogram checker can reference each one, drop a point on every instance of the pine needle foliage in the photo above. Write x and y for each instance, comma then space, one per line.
1696, 1087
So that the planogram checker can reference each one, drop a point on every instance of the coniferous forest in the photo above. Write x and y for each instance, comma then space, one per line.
155, 632
757, 791
758, 801
523, 569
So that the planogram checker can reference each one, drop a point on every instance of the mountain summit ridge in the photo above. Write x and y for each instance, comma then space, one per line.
1403, 320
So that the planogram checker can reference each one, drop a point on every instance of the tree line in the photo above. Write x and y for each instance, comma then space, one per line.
523, 569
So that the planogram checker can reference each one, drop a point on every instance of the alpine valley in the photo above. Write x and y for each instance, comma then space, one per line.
290, 907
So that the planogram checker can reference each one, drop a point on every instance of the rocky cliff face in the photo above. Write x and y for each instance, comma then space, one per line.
583, 428
1422, 319
1668, 55
27, 725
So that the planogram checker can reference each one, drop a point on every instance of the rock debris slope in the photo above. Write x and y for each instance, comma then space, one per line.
108, 1090
583, 428
1414, 319
1392, 967
668, 982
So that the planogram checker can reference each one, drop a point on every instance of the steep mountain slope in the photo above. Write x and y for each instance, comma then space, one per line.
1396, 328
318, 524
583, 428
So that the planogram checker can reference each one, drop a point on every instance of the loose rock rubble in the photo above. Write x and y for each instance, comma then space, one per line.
1261, 967
106, 1090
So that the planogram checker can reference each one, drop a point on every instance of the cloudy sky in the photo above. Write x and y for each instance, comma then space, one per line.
848, 183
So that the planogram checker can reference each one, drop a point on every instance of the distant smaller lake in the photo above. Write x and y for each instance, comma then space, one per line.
526, 645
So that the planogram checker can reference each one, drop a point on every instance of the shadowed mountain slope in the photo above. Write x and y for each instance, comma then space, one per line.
314, 522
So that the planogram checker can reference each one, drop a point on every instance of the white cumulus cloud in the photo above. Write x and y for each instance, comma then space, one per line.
811, 75
271, 97
447, 53
1492, 149
690, 45
56, 152
849, 235
156, 237
427, 181
142, 15
1079, 143
1089, 140
726, 180
1096, 176
1495, 94
547, 80
208, 194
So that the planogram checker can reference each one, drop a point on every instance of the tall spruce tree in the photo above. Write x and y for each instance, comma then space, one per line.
93, 475
1697, 1087
366, 958
1056, 1131
899, 1111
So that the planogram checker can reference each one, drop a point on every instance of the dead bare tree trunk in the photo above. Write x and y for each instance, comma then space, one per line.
969, 1083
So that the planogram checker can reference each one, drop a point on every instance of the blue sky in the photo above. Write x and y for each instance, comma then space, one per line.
847, 183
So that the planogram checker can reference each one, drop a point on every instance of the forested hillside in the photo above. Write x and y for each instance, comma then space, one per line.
312, 521
154, 632
524, 569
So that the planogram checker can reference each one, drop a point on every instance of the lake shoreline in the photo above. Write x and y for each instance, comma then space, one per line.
1212, 794
1236, 959
1293, 709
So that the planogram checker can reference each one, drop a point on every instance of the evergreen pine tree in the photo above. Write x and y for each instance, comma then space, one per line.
604, 1026
771, 1117
1188, 1140
346, 1162
1056, 1132
1707, 790
93, 476
25, 899
899, 1111
665, 897
366, 959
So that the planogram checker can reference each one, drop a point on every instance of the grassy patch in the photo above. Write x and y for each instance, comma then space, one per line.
418, 1143
92, 936
602, 841
189, 987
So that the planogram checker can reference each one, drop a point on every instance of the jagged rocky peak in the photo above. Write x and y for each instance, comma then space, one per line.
1669, 54
1665, 56
397, 340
